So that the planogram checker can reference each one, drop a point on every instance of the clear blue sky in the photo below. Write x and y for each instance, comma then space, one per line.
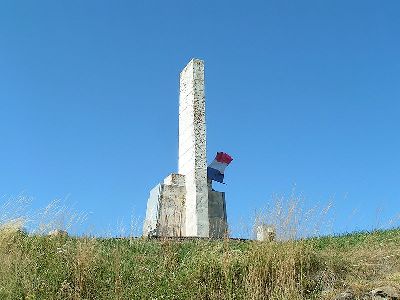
303, 94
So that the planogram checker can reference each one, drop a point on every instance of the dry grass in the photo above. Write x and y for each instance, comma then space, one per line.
290, 221
38, 267
70, 268
360, 261
293, 267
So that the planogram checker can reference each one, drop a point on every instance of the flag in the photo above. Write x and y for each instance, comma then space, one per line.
216, 169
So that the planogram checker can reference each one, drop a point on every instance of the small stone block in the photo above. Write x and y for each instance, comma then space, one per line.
265, 233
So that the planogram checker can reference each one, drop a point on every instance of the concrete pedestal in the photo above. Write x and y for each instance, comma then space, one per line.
165, 208
165, 215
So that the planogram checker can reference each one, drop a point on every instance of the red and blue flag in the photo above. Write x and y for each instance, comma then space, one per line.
216, 169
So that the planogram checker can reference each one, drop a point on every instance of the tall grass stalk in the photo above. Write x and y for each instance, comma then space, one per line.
38, 266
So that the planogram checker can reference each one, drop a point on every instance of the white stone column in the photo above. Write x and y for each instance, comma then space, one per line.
192, 147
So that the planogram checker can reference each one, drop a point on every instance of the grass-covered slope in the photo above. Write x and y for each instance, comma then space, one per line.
37, 267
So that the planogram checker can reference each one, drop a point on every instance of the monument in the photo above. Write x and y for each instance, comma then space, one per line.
185, 204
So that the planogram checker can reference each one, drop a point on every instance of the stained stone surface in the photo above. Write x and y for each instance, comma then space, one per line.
183, 204
265, 232
217, 214
192, 148
165, 213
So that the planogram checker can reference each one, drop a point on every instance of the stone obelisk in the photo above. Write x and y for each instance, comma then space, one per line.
184, 204
192, 148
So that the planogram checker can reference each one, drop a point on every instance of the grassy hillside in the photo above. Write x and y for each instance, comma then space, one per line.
37, 267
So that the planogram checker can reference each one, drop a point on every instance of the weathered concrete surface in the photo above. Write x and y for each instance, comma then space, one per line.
265, 232
192, 148
165, 213
217, 214
184, 204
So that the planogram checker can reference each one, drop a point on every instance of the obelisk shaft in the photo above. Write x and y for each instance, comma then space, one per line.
192, 148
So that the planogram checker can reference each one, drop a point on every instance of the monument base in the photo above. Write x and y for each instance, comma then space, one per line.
165, 208
165, 214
